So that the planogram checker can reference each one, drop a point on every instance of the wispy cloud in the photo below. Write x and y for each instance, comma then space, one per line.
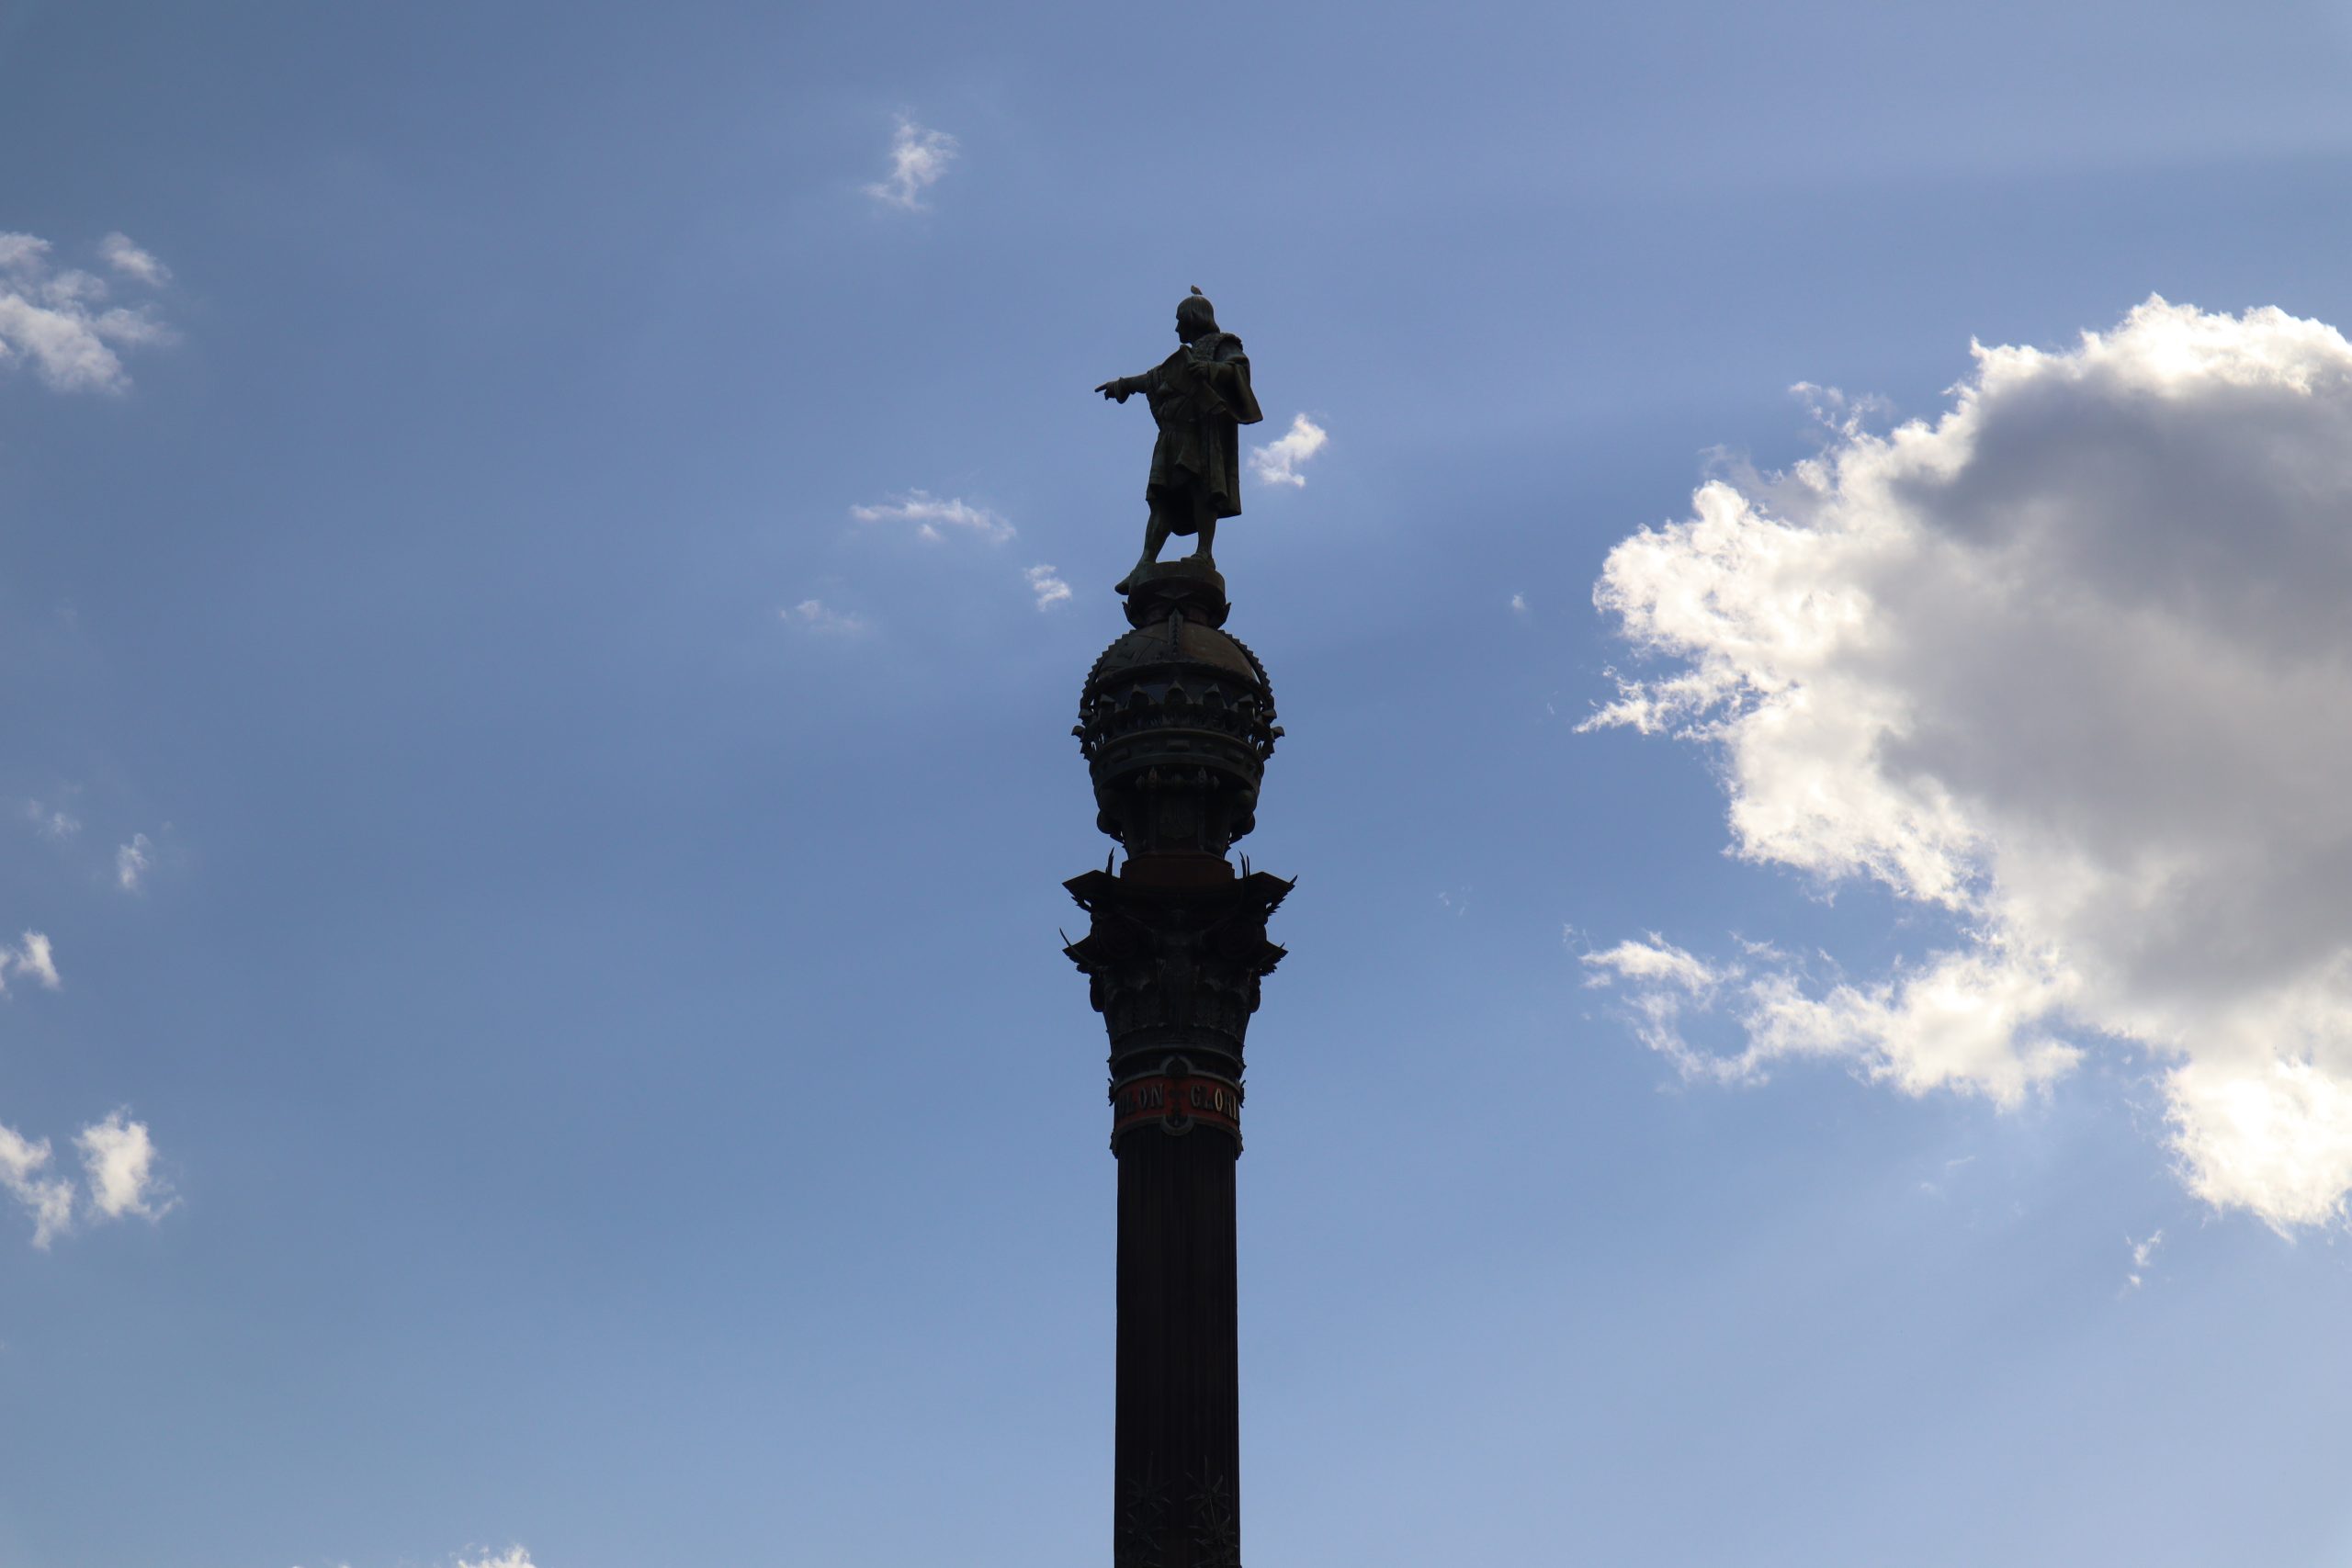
1939, 1188
2143, 1253
1837, 414
48, 1198
52, 822
820, 619
132, 861
58, 319
1959, 1023
31, 956
116, 251
1048, 586
1662, 983
1655, 960
930, 514
1519, 604
1277, 462
918, 159
513, 1557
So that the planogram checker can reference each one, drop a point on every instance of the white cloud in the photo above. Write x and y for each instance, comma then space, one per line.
1277, 462
32, 956
1939, 1188
116, 251
928, 514
1049, 588
132, 861
58, 319
2070, 665
51, 822
1519, 604
815, 616
1839, 413
50, 1200
2143, 1252
513, 1557
1655, 960
918, 159
120, 1159
1663, 981
1970, 1020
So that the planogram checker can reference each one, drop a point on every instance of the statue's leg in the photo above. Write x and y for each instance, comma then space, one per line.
1204, 527
1155, 536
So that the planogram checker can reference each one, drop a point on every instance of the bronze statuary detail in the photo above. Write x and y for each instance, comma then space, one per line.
1200, 397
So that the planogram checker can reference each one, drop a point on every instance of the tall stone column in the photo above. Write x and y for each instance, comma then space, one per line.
1176, 722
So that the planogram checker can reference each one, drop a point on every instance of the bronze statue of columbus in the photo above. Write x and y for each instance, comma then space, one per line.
1200, 397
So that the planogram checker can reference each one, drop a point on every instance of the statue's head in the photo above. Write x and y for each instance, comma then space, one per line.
1195, 317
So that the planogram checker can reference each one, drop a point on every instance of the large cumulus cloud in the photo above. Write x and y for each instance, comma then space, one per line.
2073, 662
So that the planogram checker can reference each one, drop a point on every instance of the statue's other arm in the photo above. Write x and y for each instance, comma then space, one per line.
1227, 376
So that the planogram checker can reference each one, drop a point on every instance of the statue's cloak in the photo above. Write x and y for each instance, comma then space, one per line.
1200, 397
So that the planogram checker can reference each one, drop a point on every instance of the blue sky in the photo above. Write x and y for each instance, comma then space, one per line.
538, 777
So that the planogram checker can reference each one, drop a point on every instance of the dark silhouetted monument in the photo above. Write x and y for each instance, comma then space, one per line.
1176, 722
1200, 397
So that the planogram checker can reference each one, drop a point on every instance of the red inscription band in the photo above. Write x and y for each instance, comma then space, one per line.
1176, 1104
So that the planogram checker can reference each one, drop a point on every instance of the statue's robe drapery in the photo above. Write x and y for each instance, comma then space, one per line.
1200, 397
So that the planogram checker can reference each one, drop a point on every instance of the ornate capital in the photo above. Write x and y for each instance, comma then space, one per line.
1173, 959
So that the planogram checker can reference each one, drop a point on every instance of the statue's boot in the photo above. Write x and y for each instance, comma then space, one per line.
1204, 530
1154, 537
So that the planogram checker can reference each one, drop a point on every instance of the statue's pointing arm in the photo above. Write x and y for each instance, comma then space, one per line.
1120, 389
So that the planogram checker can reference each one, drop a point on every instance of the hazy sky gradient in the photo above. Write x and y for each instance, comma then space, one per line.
546, 638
